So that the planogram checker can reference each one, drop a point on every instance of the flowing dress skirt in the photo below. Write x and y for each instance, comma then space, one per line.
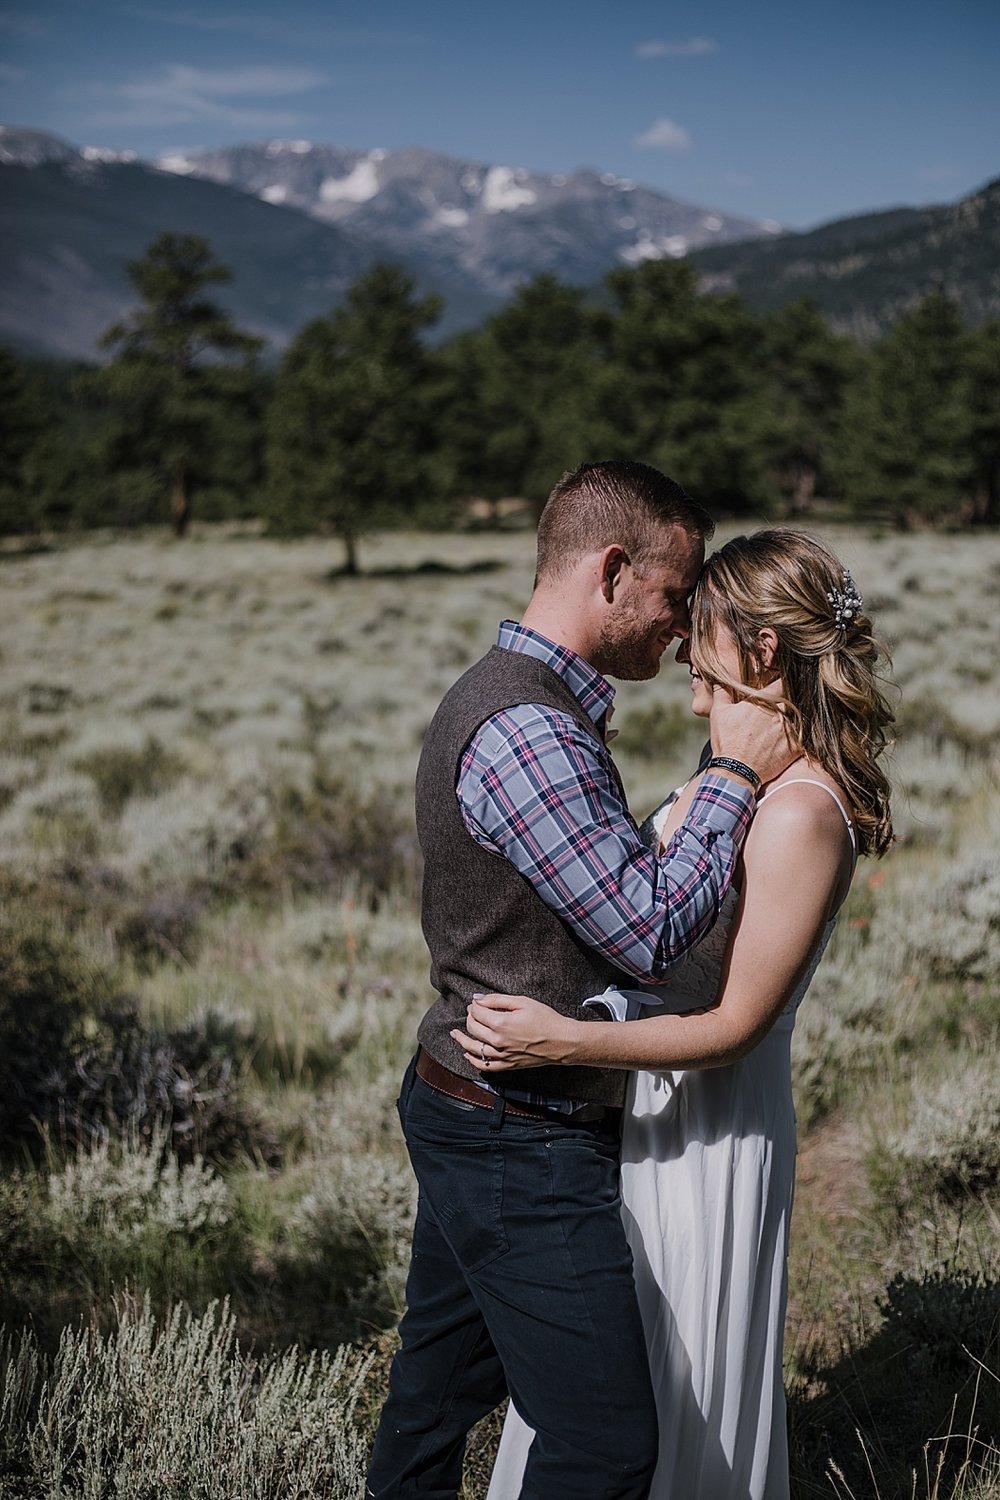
708, 1167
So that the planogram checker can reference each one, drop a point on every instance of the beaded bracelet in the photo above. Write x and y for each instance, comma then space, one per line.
726, 763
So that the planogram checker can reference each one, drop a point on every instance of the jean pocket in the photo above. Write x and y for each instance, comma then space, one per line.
463, 1187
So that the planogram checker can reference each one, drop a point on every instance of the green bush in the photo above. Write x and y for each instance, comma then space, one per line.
51, 999
949, 1318
78, 1063
336, 836
135, 1078
120, 772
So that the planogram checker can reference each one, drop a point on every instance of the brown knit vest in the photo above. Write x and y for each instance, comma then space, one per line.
486, 928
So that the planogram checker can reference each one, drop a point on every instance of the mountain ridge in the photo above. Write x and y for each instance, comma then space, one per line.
71, 218
297, 222
865, 271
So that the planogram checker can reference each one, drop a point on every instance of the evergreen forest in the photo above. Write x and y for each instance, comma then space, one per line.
366, 422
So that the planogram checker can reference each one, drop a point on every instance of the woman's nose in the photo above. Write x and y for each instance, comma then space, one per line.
683, 654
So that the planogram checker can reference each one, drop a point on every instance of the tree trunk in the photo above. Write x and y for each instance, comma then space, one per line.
350, 554
805, 487
180, 510
981, 501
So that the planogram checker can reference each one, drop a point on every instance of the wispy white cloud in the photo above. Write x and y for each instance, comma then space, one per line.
664, 135
695, 46
182, 95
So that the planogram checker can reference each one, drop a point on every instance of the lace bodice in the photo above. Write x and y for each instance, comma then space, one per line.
694, 980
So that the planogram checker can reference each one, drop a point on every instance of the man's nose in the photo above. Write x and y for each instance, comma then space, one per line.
682, 621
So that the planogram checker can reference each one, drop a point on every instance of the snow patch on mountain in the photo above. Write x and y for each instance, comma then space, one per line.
275, 192
451, 217
105, 154
175, 161
358, 186
502, 191
650, 247
293, 148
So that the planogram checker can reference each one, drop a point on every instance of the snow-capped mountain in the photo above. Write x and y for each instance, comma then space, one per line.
298, 222
501, 223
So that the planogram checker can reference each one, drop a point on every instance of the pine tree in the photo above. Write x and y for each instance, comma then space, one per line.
984, 411
351, 429
520, 404
678, 386
23, 423
166, 383
808, 371
908, 424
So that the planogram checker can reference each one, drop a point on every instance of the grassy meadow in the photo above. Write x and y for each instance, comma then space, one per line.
211, 971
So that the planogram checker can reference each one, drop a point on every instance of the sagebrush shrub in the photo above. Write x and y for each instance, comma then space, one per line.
353, 1231
177, 1409
162, 927
121, 1193
951, 1144
115, 1215
78, 1063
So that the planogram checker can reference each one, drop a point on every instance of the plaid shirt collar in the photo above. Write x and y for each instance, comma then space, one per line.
594, 693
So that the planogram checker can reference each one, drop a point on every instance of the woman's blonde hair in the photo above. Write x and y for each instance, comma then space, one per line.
793, 584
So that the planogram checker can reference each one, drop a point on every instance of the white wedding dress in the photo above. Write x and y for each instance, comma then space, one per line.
708, 1168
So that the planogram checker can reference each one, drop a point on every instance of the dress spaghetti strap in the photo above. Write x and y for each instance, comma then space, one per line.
810, 781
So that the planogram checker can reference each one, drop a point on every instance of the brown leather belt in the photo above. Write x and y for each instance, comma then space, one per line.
438, 1077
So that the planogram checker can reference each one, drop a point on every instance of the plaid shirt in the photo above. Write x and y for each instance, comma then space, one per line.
535, 787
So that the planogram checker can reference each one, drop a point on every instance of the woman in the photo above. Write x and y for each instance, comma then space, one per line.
708, 1149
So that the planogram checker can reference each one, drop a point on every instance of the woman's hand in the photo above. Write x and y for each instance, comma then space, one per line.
513, 1031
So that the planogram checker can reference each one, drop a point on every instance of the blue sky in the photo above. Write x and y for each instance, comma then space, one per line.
798, 112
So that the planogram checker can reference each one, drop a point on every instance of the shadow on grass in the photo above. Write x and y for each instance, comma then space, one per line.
428, 568
920, 1397
17, 551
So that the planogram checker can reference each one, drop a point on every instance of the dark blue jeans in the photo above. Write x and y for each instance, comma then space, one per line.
520, 1280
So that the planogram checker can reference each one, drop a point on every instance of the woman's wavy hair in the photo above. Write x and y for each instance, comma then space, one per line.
833, 693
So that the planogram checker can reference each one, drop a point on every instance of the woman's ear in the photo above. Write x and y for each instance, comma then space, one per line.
767, 647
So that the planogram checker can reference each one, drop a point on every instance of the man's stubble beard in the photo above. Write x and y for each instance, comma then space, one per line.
628, 651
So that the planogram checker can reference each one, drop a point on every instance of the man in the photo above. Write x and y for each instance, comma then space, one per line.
536, 882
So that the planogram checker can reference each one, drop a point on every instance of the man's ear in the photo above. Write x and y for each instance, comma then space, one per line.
611, 564
767, 647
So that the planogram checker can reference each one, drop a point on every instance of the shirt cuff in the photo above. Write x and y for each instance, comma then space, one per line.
722, 805
620, 1005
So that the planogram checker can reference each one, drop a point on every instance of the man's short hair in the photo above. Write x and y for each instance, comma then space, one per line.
599, 504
